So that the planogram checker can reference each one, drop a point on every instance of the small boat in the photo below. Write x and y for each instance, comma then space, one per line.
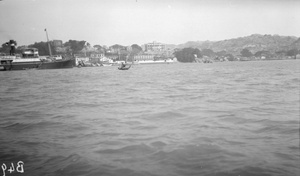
124, 67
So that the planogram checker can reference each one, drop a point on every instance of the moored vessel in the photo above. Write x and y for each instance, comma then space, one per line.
30, 59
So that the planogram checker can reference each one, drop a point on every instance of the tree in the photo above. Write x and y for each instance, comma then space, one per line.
262, 53
230, 57
43, 48
187, 54
9, 47
221, 53
208, 52
5, 48
117, 47
246, 53
99, 48
75, 46
281, 52
135, 50
292, 52
136, 47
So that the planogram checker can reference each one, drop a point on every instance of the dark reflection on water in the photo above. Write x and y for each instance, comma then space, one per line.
238, 118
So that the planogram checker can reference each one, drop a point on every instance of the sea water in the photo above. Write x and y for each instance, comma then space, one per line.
227, 118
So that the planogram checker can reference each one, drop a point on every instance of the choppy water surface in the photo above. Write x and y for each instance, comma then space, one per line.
234, 118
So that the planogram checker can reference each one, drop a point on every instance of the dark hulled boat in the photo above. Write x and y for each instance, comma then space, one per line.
124, 67
30, 59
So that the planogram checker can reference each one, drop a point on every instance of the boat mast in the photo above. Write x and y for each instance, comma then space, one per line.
48, 43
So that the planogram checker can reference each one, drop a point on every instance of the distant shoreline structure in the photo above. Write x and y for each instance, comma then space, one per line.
253, 47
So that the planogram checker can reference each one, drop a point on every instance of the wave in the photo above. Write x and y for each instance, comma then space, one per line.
30, 126
176, 119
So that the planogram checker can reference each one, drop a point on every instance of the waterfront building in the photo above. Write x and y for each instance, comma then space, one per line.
143, 57
96, 57
154, 46
159, 49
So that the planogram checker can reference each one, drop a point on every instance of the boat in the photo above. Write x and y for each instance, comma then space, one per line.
30, 59
124, 67
83, 61
104, 61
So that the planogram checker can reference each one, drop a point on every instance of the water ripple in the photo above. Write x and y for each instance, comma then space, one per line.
230, 118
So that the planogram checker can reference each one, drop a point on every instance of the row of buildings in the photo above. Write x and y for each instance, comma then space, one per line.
153, 51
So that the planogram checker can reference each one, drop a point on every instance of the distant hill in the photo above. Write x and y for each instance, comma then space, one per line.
253, 43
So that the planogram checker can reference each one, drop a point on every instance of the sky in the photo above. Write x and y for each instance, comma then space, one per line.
127, 22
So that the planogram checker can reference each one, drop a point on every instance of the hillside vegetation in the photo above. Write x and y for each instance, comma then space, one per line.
254, 43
